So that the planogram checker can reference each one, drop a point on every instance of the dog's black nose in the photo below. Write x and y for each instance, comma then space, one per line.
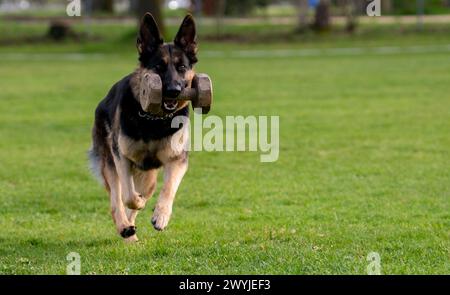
172, 91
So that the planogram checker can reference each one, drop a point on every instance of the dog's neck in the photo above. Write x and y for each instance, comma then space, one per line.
152, 117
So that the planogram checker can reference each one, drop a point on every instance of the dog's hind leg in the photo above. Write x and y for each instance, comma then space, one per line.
123, 226
173, 174
145, 185
131, 198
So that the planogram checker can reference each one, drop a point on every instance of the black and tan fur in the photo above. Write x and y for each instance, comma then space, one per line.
128, 147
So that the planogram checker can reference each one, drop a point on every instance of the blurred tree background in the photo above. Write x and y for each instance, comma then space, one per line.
103, 5
303, 16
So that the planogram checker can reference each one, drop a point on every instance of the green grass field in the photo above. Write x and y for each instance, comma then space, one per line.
364, 166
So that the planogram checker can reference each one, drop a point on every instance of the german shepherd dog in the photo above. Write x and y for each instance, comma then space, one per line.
129, 145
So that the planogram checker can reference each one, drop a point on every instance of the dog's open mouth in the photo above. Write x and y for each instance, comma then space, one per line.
170, 105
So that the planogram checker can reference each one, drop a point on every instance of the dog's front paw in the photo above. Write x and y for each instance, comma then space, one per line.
135, 201
128, 231
161, 217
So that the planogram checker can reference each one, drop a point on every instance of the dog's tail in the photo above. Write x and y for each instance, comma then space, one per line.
95, 164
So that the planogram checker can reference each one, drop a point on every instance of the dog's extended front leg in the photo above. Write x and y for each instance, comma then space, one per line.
173, 174
130, 197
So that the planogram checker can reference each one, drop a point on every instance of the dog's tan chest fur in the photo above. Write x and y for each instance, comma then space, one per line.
165, 150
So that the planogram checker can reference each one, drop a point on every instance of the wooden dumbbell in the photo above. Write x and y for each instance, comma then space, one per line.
200, 93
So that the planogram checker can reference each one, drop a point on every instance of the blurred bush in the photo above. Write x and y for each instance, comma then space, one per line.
244, 7
408, 7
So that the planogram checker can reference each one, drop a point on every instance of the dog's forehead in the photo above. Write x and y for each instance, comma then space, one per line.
164, 53
171, 53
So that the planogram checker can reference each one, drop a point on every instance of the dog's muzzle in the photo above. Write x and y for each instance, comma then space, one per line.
170, 105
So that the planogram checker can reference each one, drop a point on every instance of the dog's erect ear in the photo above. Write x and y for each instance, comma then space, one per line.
149, 37
186, 38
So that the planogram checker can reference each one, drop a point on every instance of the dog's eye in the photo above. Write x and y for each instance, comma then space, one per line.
181, 68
